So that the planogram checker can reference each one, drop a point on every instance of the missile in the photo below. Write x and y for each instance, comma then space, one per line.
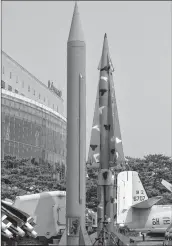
76, 135
30, 230
16, 212
5, 226
105, 178
8, 202
6, 233
75, 194
17, 230
13, 219
32, 234
28, 227
106, 149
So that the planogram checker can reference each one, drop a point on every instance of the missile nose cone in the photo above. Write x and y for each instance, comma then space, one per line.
105, 43
104, 61
76, 32
34, 234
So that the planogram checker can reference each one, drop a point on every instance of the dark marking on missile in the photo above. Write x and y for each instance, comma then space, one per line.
105, 175
112, 199
107, 127
106, 68
112, 151
102, 91
93, 147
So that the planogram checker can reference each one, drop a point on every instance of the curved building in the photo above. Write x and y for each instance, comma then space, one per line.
32, 125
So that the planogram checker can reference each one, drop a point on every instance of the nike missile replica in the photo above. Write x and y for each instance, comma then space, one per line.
105, 184
76, 136
106, 150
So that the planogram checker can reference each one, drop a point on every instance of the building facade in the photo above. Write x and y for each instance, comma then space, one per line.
17, 79
32, 124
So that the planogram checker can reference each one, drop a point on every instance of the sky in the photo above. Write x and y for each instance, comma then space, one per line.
35, 33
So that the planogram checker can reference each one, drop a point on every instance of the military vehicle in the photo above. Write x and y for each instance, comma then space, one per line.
138, 212
48, 209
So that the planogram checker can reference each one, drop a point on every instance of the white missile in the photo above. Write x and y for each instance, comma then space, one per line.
7, 233
17, 230
5, 226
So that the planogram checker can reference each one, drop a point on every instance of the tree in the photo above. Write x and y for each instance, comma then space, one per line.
20, 176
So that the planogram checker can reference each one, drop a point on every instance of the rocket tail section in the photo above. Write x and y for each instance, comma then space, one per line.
130, 191
138, 191
130, 195
148, 203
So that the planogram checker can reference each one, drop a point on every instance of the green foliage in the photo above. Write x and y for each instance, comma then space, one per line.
20, 177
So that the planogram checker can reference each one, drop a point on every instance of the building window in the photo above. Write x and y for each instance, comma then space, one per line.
10, 75
28, 88
17, 79
39, 96
34, 92
16, 91
2, 84
3, 70
9, 88
23, 84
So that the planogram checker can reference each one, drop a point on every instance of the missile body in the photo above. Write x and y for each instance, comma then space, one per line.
105, 179
6, 233
76, 130
16, 230
15, 221
106, 150
104, 104
30, 230
5, 226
